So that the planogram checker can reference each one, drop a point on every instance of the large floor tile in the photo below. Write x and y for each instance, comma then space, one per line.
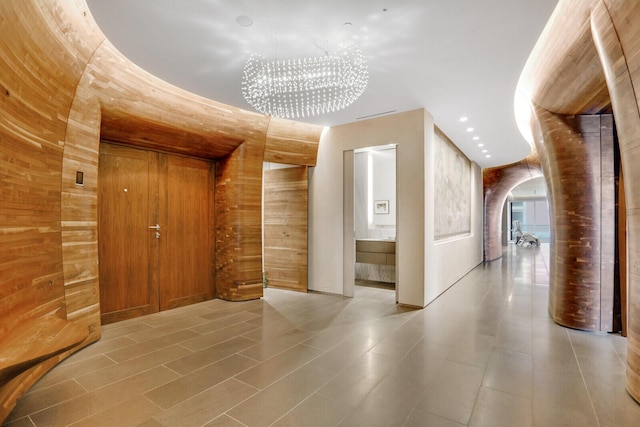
315, 411
389, 403
206, 406
187, 386
452, 392
510, 372
272, 403
497, 409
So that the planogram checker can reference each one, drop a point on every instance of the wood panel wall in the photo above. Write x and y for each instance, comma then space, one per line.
286, 203
577, 160
62, 87
497, 183
616, 30
595, 44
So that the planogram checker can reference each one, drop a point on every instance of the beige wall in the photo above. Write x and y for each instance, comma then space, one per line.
424, 269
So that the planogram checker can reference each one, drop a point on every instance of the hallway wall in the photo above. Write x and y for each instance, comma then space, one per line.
425, 267
63, 87
585, 61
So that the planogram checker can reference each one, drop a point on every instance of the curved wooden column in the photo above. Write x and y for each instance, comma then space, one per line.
607, 21
573, 150
238, 269
497, 183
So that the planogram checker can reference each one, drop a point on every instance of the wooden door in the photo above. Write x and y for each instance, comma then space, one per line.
144, 269
285, 227
127, 248
186, 252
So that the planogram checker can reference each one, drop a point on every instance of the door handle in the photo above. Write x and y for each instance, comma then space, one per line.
157, 228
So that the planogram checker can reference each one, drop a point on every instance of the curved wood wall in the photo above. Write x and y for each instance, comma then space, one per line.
616, 30
577, 161
497, 183
63, 87
588, 57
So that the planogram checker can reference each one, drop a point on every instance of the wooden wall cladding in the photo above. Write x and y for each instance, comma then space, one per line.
286, 227
62, 85
609, 51
292, 143
37, 85
577, 159
563, 73
616, 32
238, 206
497, 183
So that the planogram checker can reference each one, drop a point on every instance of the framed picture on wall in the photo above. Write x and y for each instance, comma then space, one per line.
381, 207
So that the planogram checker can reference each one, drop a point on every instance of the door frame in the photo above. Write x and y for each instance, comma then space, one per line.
348, 224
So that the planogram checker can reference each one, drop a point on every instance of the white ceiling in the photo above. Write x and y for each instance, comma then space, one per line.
453, 57
534, 188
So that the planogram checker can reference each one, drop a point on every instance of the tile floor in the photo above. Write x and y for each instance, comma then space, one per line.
483, 354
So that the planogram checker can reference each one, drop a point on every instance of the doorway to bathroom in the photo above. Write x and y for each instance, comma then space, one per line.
374, 216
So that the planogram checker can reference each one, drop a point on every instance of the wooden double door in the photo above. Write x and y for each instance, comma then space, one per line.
155, 231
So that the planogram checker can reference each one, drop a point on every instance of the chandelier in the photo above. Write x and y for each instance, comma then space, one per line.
305, 87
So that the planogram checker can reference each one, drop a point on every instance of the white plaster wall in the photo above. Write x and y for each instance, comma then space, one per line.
424, 269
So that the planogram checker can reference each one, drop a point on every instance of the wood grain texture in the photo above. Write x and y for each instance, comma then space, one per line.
616, 32
497, 183
292, 143
595, 42
186, 235
574, 152
37, 85
286, 227
238, 201
563, 73
128, 254
63, 86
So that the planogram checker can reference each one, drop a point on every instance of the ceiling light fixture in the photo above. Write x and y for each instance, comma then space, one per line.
475, 138
464, 119
305, 87
469, 129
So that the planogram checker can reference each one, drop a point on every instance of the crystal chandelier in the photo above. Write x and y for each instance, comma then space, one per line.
305, 87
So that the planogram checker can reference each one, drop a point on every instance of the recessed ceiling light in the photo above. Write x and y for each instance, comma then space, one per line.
488, 155
484, 151
464, 119
475, 138
244, 21
480, 145
469, 129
